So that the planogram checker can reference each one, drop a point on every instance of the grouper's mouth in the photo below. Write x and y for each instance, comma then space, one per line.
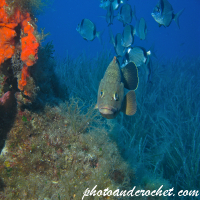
107, 110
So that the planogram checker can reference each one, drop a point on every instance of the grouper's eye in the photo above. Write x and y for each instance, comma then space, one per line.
101, 93
116, 96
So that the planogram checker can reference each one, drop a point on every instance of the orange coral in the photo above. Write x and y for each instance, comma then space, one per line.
24, 75
7, 32
7, 43
3, 14
29, 43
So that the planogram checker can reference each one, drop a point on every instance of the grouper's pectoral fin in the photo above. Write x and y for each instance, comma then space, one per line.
130, 76
129, 106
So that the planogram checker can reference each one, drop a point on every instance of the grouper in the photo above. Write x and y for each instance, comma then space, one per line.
111, 97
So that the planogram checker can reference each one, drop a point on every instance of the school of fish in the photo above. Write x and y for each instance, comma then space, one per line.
122, 72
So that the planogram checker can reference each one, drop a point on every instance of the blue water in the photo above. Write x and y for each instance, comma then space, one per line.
62, 17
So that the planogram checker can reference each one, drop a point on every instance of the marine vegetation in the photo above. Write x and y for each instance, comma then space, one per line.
58, 154
164, 132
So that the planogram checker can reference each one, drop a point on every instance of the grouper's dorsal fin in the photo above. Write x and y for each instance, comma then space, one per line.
129, 105
130, 76
113, 71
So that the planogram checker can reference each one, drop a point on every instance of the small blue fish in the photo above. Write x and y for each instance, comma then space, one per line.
116, 41
163, 14
115, 4
87, 30
141, 29
126, 14
110, 15
137, 55
141, 58
104, 4
127, 36
146, 71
